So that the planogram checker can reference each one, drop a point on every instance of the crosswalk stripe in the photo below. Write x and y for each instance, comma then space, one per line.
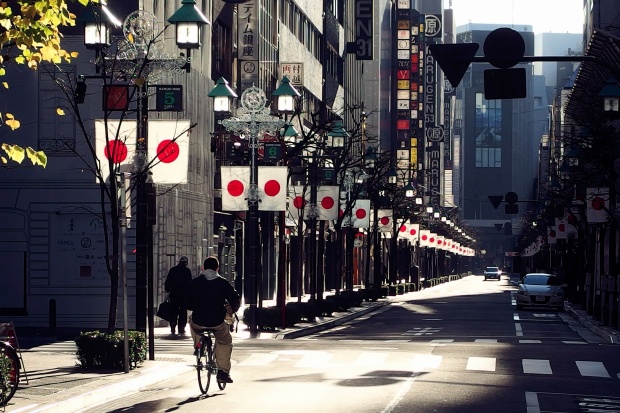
592, 369
315, 359
259, 359
486, 340
371, 358
533, 366
424, 362
481, 363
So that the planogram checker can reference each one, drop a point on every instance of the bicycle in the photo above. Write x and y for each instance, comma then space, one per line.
9, 372
206, 364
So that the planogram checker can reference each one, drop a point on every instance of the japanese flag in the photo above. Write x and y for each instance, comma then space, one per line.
413, 231
425, 236
598, 203
360, 215
561, 228
385, 223
120, 146
272, 187
168, 150
551, 235
440, 243
298, 201
235, 183
432, 240
326, 202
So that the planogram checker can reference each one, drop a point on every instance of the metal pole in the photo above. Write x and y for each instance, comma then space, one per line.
311, 257
141, 211
122, 222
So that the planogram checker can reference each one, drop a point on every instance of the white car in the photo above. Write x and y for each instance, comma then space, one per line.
492, 272
540, 290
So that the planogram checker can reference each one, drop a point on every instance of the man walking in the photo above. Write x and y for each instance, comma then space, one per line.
211, 298
177, 284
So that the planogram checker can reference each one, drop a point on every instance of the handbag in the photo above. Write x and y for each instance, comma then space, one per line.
165, 310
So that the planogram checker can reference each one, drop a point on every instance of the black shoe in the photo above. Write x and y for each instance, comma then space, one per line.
182, 332
172, 328
223, 377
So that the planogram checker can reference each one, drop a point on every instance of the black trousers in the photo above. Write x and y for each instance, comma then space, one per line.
180, 316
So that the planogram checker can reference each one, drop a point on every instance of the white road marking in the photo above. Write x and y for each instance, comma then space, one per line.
592, 369
518, 329
530, 341
371, 358
259, 359
443, 340
574, 342
533, 366
531, 401
516, 317
481, 363
316, 359
485, 340
425, 362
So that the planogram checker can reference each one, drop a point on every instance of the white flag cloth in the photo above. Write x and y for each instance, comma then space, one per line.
425, 236
120, 148
432, 240
440, 243
551, 235
327, 202
597, 204
235, 185
168, 150
384, 217
360, 215
561, 228
298, 200
414, 232
271, 182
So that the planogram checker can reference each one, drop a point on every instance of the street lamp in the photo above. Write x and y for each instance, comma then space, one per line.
252, 120
139, 58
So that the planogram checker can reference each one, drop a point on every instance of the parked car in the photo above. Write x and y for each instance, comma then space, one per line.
540, 290
492, 273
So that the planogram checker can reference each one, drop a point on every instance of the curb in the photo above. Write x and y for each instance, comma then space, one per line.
594, 326
336, 321
99, 395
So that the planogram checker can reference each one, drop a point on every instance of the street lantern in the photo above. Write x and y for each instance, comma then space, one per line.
409, 190
337, 136
611, 96
97, 20
222, 94
286, 94
188, 20
392, 176
370, 158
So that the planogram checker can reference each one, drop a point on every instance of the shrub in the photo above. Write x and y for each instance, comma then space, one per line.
97, 350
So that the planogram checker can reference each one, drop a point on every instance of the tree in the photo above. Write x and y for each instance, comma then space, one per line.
30, 34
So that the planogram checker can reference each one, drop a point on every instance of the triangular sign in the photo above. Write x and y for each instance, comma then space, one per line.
454, 59
499, 227
495, 200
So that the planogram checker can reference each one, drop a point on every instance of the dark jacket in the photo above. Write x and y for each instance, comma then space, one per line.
208, 297
178, 284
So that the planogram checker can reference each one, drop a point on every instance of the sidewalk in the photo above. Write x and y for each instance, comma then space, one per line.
56, 385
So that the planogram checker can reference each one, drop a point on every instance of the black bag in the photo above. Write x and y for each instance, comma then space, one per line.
165, 310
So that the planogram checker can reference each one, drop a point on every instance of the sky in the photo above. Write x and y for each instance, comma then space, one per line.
556, 16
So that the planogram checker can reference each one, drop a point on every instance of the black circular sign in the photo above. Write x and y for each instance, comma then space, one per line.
511, 197
504, 47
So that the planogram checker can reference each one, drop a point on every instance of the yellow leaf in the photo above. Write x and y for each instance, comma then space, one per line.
37, 158
12, 123
5, 84
60, 111
10, 116
14, 152
4, 160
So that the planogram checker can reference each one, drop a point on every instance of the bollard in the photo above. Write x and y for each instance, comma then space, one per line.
52, 316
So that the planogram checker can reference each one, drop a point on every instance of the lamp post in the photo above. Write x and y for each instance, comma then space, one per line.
138, 58
253, 120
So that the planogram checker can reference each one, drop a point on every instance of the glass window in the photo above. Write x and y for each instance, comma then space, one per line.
488, 132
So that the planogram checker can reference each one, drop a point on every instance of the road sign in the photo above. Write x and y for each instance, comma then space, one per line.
454, 59
169, 98
495, 200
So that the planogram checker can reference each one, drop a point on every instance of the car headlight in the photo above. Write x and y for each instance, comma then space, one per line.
559, 293
522, 292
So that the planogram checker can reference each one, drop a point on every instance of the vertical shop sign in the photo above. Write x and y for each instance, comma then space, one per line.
248, 37
363, 30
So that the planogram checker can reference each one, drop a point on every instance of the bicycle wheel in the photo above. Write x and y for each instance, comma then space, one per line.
202, 366
9, 373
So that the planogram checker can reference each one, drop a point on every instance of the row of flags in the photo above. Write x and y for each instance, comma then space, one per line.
597, 211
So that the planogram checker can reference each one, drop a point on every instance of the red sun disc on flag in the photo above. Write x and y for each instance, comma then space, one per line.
360, 213
562, 228
384, 220
598, 203
272, 187
299, 202
167, 151
402, 228
327, 202
413, 231
116, 151
424, 237
235, 187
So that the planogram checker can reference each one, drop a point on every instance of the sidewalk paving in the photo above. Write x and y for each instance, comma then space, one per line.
56, 385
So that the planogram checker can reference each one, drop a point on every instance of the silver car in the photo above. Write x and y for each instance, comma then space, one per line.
492, 272
540, 290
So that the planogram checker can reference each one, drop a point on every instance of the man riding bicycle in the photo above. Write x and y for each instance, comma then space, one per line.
211, 297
